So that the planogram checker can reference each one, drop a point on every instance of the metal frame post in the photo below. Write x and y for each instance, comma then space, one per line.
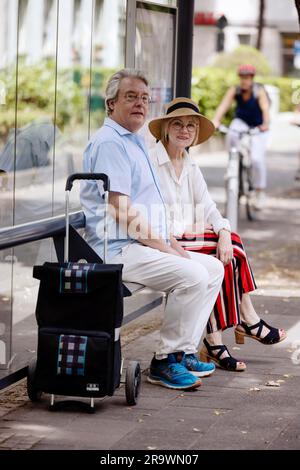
184, 60
232, 189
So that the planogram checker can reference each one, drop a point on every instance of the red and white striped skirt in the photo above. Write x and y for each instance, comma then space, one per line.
238, 279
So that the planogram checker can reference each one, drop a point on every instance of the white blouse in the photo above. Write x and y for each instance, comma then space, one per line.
187, 199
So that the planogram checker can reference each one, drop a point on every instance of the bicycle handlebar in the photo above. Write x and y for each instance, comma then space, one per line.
251, 131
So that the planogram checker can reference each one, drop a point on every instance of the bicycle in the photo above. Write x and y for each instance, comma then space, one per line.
239, 175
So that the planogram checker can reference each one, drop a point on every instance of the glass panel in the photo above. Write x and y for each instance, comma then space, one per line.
8, 62
5, 308
35, 111
91, 38
25, 289
108, 53
155, 55
34, 159
8, 65
71, 116
154, 51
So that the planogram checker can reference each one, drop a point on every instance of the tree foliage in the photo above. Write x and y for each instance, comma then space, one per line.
241, 55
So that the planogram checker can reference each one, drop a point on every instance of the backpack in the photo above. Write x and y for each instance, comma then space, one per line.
256, 89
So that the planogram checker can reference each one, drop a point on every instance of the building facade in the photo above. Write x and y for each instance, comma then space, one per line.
280, 32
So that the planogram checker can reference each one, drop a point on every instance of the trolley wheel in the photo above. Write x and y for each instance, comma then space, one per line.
133, 382
33, 393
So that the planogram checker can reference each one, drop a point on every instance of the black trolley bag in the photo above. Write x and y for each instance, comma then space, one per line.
79, 314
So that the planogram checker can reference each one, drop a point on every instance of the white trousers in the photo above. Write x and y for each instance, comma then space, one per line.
192, 286
258, 152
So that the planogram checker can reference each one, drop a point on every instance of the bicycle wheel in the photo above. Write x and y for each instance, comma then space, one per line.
241, 183
246, 188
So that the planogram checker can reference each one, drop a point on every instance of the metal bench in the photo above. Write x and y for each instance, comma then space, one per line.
13, 364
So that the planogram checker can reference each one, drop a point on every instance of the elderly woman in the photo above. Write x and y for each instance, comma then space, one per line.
190, 206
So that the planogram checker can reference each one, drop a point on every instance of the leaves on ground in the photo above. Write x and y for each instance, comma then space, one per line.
219, 412
272, 383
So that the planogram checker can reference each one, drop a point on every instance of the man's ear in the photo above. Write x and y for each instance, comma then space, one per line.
111, 105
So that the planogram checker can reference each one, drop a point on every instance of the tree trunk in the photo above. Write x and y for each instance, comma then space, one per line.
297, 3
261, 22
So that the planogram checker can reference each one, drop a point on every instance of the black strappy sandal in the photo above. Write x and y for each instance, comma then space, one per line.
228, 363
272, 337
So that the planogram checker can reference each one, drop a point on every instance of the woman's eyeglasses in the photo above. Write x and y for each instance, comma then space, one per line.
179, 126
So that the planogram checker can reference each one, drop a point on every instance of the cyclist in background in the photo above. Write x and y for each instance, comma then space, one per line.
252, 110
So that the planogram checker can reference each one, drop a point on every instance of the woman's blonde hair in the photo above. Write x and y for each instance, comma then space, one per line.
165, 130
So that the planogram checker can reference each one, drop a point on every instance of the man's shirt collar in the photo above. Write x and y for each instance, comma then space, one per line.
121, 130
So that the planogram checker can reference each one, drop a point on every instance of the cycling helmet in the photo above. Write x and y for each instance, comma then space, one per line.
246, 69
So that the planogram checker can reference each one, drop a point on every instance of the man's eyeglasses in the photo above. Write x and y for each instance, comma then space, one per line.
179, 126
133, 97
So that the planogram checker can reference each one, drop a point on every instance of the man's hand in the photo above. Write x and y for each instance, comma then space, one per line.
224, 247
141, 230
179, 251
264, 127
171, 251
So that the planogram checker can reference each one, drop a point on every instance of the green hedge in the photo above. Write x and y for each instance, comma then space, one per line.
209, 84
36, 95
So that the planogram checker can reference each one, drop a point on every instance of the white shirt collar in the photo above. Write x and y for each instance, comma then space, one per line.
163, 157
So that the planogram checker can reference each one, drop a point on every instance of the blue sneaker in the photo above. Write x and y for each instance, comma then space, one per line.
172, 374
196, 367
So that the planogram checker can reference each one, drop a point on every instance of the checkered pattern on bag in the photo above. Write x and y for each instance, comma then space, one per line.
74, 278
71, 355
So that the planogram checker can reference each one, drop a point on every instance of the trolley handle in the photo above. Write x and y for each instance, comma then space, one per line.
87, 176
69, 185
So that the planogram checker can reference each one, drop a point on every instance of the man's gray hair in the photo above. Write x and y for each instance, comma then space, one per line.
113, 86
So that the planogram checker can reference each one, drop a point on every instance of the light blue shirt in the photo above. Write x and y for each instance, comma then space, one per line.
122, 155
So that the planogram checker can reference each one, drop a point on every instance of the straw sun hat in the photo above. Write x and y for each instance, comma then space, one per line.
183, 107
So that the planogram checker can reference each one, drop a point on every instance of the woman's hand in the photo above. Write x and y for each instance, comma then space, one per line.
208, 228
197, 228
224, 247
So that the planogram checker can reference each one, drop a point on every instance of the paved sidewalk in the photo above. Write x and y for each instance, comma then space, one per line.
229, 411
255, 409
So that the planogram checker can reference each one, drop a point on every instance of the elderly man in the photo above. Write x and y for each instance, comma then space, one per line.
138, 233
